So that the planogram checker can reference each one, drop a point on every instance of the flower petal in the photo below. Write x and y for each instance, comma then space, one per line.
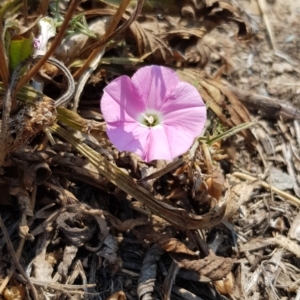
120, 101
159, 89
180, 139
132, 137
154, 84
159, 146
184, 96
185, 110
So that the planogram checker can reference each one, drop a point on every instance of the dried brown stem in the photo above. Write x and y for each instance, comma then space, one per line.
110, 33
43, 7
25, 12
288, 197
16, 260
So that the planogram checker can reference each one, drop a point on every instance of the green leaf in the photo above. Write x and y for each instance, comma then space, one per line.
19, 49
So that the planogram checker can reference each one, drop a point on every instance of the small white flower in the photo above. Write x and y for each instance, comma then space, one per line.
47, 31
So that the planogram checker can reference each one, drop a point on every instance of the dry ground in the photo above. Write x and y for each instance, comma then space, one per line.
84, 238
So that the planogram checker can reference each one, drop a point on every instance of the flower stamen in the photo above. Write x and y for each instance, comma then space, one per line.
150, 119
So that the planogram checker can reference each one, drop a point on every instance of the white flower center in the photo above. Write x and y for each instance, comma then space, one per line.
150, 118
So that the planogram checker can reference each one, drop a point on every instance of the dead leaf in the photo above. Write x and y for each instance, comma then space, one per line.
120, 295
148, 272
215, 184
166, 242
14, 292
78, 226
127, 224
174, 245
225, 285
212, 266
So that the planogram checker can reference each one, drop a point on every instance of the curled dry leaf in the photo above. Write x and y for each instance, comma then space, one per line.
175, 246
212, 266
68, 223
33, 167
229, 12
78, 226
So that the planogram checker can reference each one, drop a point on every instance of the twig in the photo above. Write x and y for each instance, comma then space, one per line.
72, 288
25, 12
288, 197
278, 239
287, 154
16, 260
43, 8
283, 108
297, 132
12, 269
263, 9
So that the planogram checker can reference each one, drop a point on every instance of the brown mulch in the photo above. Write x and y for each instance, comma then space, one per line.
220, 224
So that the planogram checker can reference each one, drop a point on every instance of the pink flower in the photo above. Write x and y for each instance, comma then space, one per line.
153, 114
37, 42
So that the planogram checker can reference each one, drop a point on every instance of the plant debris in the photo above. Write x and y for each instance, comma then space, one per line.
81, 220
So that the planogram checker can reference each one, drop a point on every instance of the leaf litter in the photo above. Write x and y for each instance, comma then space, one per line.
79, 220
